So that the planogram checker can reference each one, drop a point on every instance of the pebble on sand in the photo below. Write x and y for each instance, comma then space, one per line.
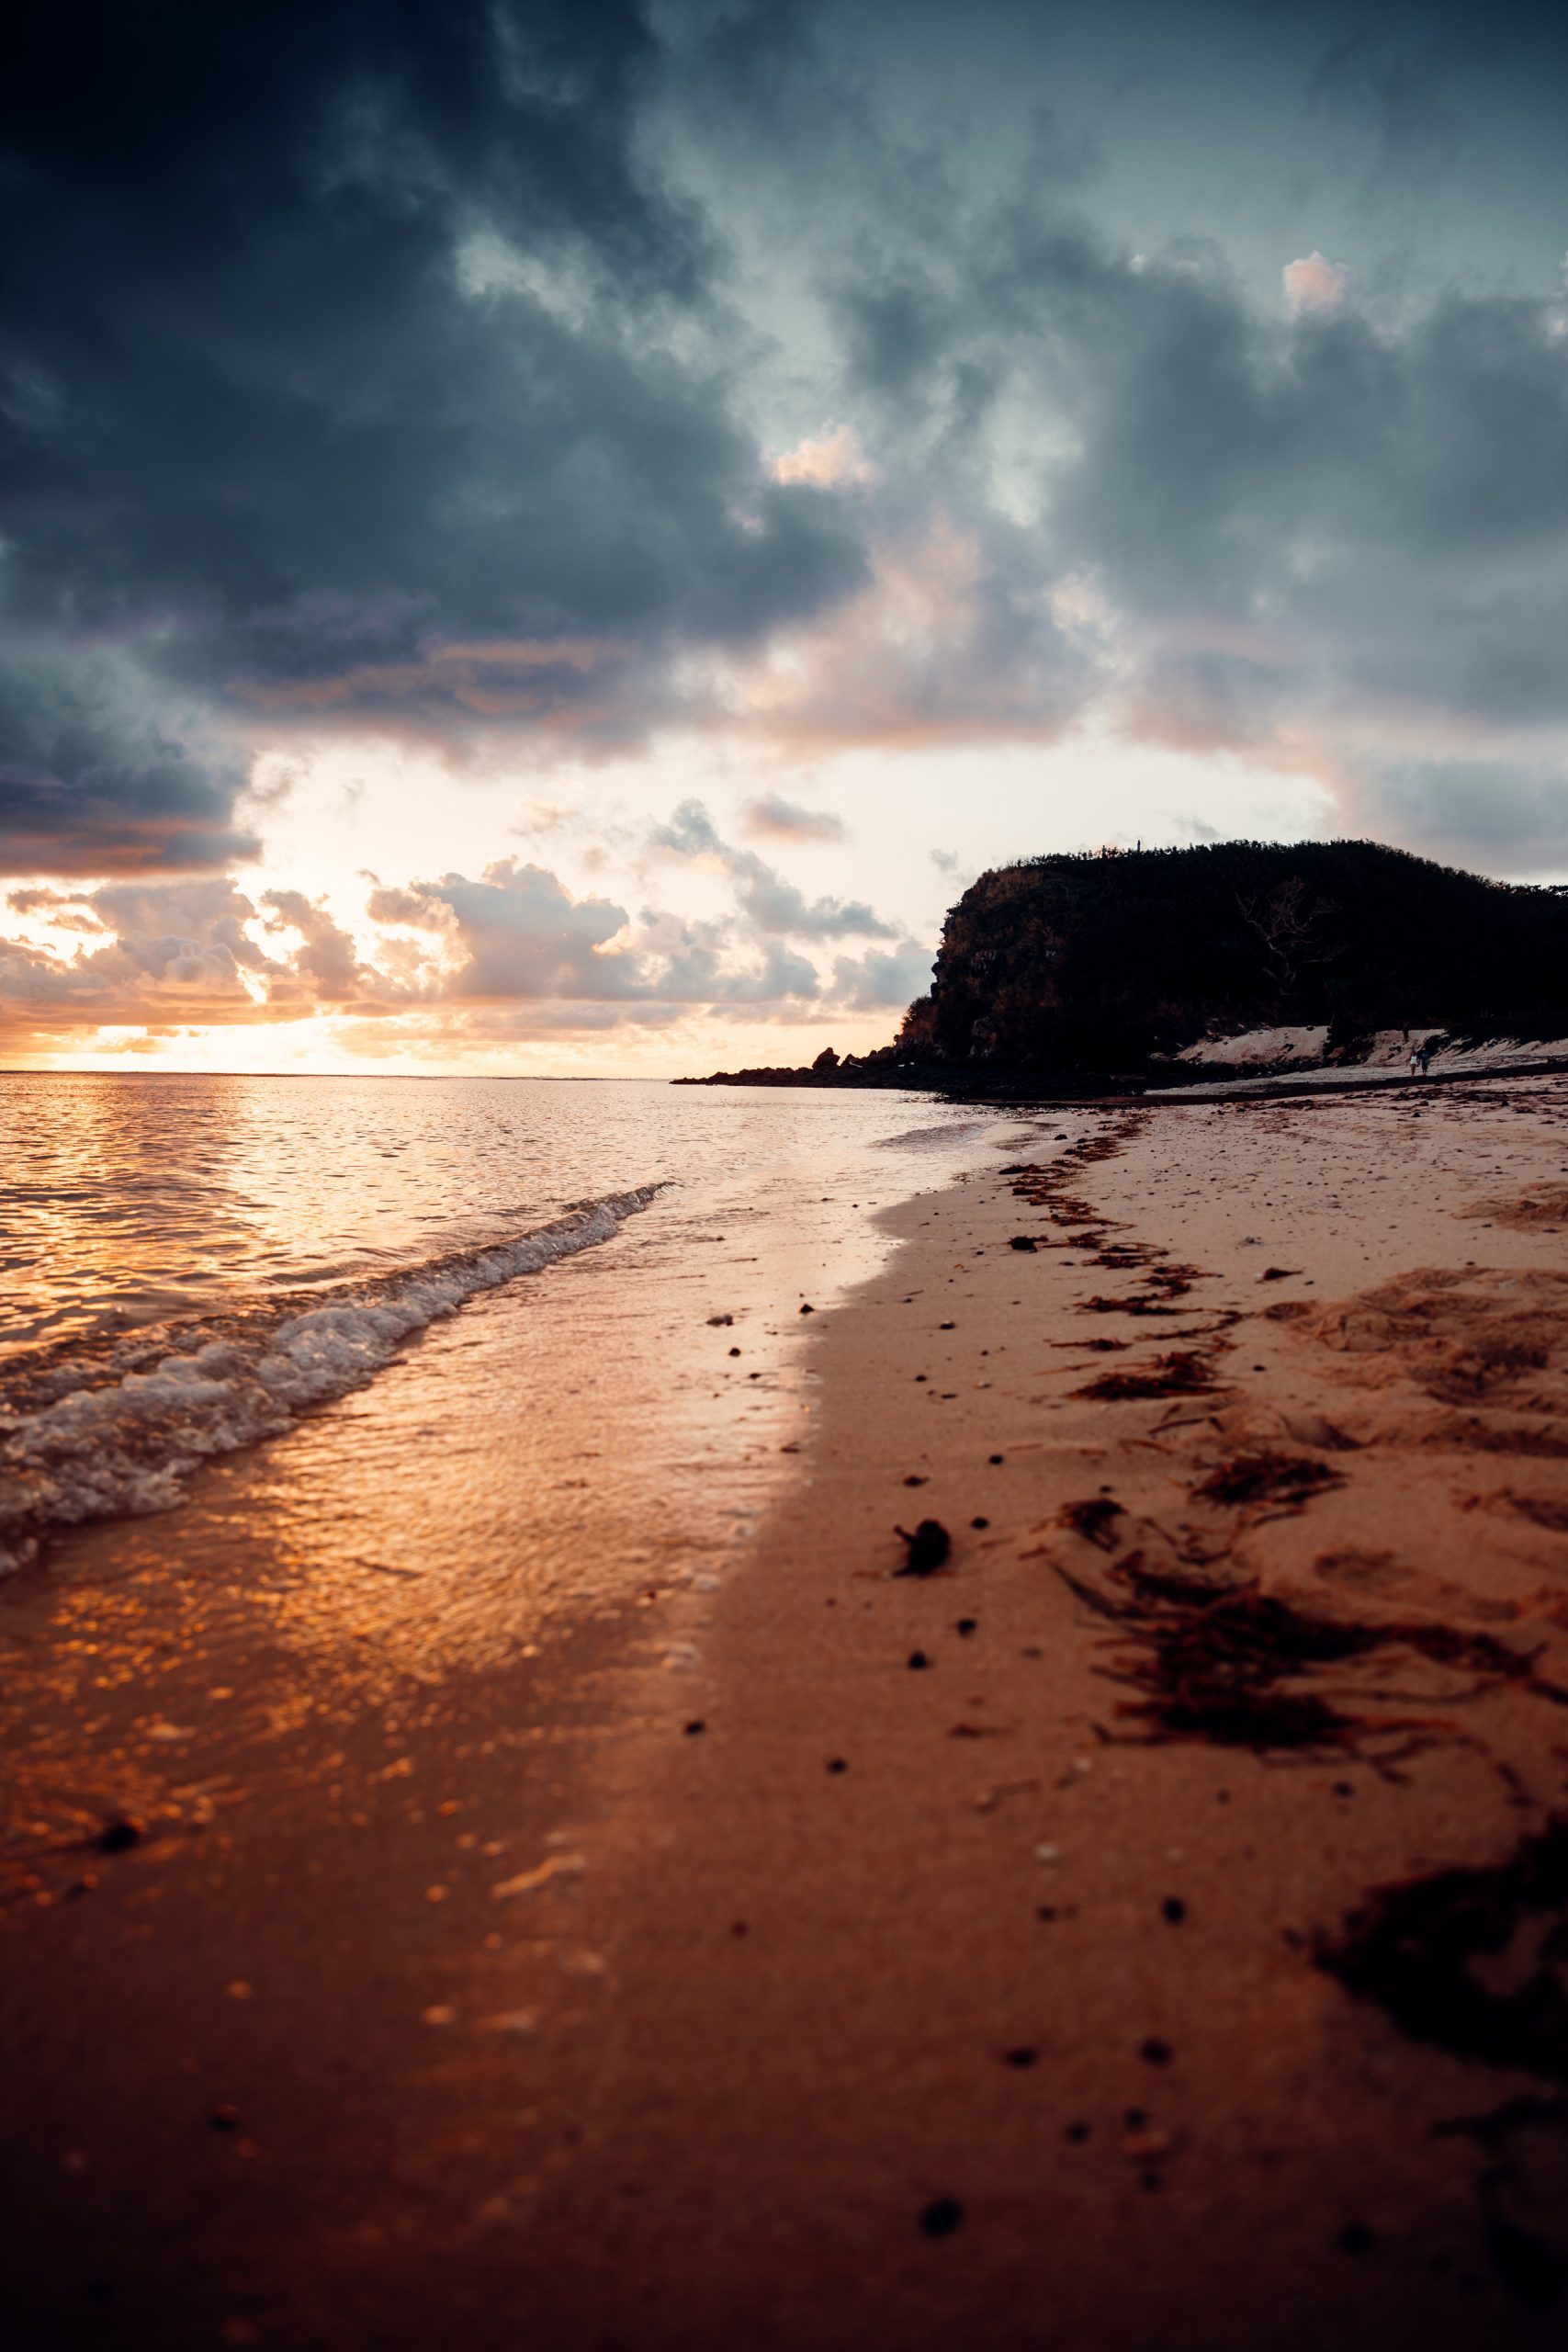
941, 2217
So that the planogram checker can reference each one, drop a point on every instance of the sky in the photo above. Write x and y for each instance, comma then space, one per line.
556, 536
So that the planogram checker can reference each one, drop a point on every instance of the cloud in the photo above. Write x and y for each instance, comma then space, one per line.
516, 931
827, 463
357, 364
412, 371
94, 779
325, 965
882, 979
1514, 813
518, 934
1314, 286
771, 817
146, 953
770, 903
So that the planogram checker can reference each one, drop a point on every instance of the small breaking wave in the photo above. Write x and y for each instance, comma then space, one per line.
114, 1426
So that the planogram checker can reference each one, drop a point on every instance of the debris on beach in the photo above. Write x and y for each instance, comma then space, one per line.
1283, 1478
1132, 1305
941, 2217
1183, 1372
118, 1835
1219, 1657
1093, 1519
928, 1548
1431, 1951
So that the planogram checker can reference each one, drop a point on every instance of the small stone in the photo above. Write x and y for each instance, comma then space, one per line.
941, 2217
117, 1837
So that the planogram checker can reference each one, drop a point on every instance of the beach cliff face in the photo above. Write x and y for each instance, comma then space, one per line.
1093, 1872
1105, 967
1099, 961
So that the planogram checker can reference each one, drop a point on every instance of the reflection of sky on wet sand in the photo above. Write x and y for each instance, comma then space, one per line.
564, 1454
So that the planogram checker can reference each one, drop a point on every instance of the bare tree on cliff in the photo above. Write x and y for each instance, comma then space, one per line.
1291, 924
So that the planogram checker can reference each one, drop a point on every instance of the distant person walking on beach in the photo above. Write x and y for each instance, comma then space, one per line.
1415, 1059
1425, 1058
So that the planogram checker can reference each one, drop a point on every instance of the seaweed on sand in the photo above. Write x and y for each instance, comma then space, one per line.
1182, 1373
1132, 1305
1473, 1959
1094, 1520
1217, 1658
1266, 1477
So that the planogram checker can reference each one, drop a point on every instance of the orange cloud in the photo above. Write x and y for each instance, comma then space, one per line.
835, 461
1315, 285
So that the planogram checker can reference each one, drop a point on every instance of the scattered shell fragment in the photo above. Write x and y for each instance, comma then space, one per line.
553, 1866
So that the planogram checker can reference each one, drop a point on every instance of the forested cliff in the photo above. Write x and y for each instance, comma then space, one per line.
1101, 960
1097, 962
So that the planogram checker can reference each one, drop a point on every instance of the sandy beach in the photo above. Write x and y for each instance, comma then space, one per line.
1145, 1929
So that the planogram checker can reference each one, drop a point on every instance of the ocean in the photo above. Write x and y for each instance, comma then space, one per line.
523, 1341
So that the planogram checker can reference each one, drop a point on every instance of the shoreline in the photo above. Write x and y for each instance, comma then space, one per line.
969, 2067
966, 2075
1024, 1090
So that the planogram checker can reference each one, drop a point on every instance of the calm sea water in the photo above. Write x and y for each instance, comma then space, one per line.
198, 1267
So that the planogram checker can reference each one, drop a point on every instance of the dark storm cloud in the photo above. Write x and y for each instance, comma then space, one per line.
336, 337
381, 362
92, 781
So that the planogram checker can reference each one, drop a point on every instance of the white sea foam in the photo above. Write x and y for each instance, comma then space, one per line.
101, 1433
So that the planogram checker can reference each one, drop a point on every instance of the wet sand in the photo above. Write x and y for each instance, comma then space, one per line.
994, 1957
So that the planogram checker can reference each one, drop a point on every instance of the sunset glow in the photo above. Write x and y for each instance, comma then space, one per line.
971, 484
